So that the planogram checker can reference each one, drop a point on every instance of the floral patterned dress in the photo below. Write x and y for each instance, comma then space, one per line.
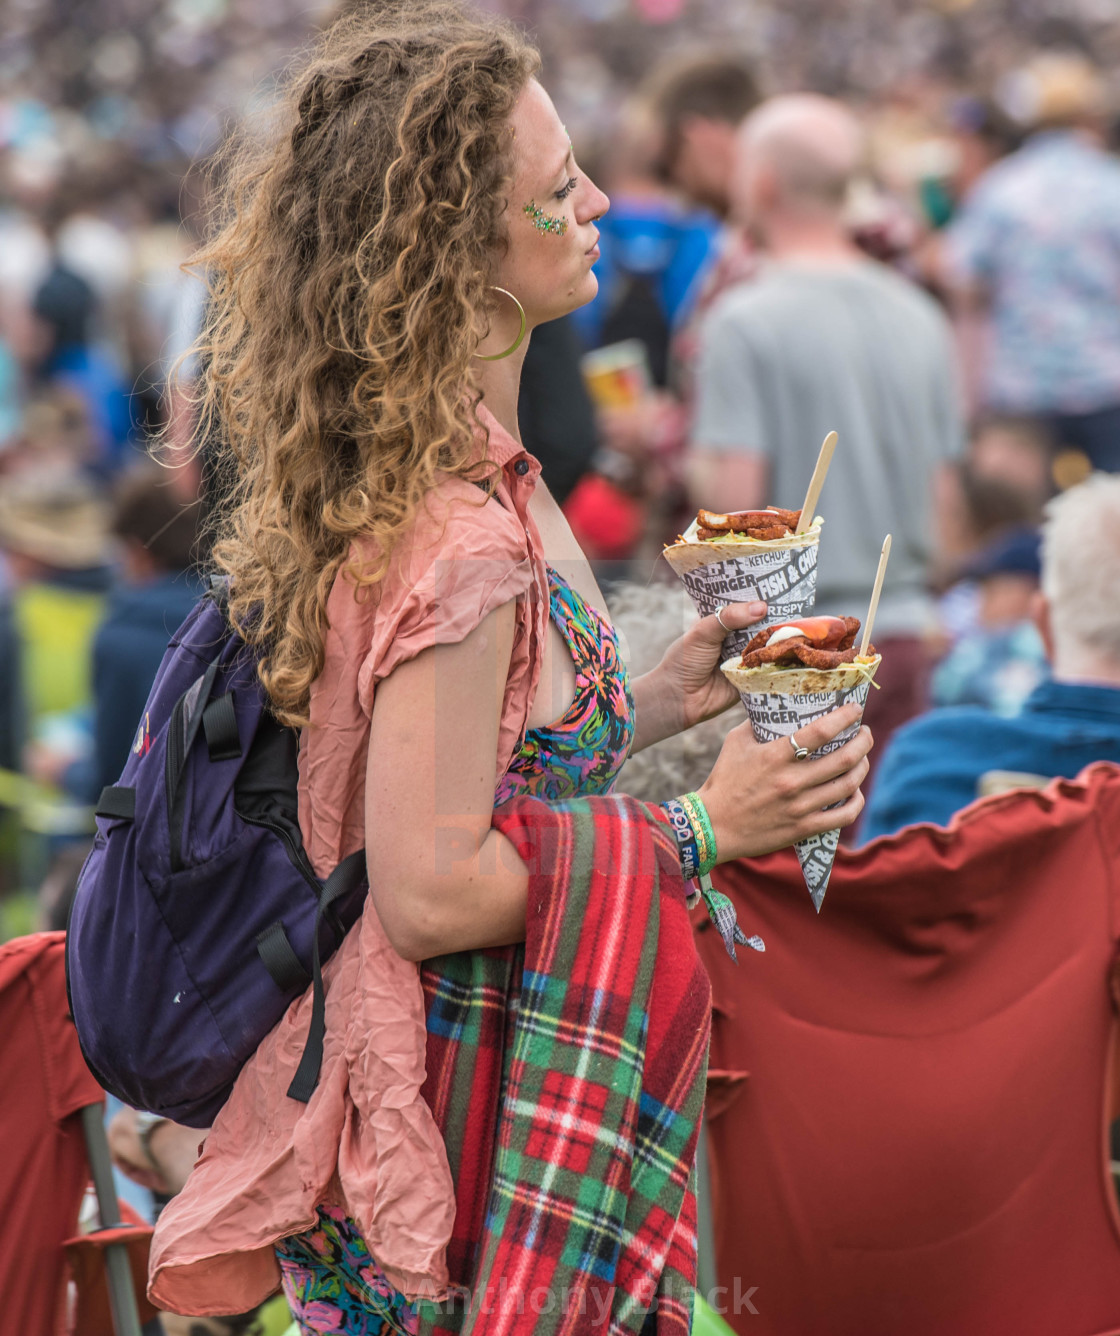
333, 1285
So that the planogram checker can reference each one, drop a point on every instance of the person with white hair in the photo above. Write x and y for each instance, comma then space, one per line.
934, 765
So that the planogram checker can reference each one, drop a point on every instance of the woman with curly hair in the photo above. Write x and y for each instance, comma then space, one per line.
425, 617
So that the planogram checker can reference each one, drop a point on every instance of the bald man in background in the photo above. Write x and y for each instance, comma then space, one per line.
826, 339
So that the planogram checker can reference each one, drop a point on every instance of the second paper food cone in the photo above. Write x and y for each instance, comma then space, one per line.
781, 573
779, 701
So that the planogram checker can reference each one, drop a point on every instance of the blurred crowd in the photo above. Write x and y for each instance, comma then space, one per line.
966, 114
924, 255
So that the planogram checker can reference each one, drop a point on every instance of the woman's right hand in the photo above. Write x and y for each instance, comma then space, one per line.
760, 797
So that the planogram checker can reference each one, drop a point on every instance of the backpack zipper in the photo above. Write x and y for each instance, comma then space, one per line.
178, 747
299, 861
172, 768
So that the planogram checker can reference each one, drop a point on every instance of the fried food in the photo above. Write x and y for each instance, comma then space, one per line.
761, 533
821, 632
761, 525
793, 652
822, 642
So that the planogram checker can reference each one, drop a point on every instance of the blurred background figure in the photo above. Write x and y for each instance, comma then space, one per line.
998, 659
154, 588
1036, 244
668, 252
555, 409
54, 540
988, 508
936, 764
64, 356
653, 244
697, 105
826, 339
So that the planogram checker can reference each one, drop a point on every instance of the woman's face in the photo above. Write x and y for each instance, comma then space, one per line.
552, 211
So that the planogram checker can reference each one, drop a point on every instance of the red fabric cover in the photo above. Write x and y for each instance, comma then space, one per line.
43, 1169
909, 1090
85, 1254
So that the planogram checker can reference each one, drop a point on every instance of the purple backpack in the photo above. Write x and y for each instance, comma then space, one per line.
198, 917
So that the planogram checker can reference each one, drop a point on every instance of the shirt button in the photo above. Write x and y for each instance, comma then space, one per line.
521, 467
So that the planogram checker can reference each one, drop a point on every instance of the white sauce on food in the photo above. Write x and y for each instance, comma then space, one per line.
784, 633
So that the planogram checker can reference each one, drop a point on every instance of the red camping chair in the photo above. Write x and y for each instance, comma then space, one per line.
53, 1142
910, 1092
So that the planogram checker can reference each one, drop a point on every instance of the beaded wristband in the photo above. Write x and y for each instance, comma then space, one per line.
701, 823
686, 838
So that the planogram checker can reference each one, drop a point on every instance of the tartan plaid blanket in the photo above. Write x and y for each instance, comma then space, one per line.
586, 1052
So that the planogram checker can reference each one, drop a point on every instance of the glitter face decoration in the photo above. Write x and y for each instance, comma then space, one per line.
545, 222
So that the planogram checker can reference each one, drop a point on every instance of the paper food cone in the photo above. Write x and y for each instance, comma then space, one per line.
779, 701
781, 572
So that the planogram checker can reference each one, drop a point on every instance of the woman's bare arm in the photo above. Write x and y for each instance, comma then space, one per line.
441, 878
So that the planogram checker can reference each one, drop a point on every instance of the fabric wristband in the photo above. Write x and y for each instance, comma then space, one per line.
720, 909
686, 838
689, 832
701, 823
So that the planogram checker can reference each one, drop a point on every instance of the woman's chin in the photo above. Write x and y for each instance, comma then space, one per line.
583, 291
579, 294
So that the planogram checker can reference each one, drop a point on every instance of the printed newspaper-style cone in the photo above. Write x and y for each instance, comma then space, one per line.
780, 701
781, 572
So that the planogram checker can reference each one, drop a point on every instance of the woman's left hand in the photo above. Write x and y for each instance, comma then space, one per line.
687, 686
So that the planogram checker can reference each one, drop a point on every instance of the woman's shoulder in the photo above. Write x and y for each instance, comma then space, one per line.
461, 511
455, 520
462, 555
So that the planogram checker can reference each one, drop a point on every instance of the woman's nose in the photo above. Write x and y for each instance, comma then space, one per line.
594, 205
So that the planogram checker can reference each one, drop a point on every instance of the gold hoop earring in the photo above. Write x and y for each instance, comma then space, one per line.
513, 347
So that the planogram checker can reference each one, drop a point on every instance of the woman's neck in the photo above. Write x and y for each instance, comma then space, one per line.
500, 382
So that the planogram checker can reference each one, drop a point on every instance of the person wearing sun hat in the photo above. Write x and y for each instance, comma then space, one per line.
55, 547
60, 523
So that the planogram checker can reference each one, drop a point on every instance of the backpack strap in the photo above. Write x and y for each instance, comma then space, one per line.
343, 879
219, 724
279, 958
117, 801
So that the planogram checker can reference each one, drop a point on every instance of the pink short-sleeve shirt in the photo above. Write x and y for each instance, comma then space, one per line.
366, 1141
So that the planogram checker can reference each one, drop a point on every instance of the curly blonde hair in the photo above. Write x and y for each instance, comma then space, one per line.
348, 285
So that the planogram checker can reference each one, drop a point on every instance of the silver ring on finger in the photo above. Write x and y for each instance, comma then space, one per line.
800, 753
719, 618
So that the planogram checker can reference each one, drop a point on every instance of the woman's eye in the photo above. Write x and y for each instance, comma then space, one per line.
565, 191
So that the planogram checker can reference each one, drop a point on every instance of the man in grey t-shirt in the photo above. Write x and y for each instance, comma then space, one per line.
824, 340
